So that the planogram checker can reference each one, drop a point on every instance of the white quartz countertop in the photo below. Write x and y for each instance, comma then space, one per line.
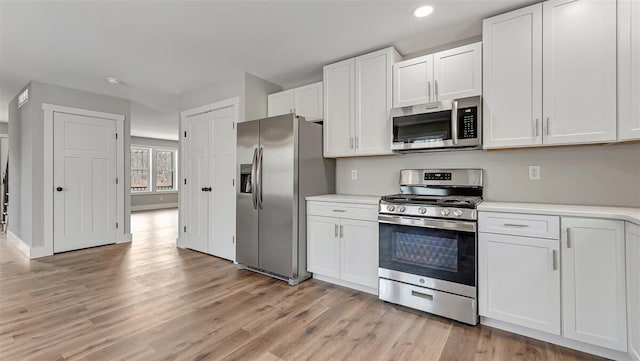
620, 213
345, 198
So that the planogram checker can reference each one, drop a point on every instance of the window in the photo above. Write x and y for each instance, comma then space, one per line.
165, 175
140, 170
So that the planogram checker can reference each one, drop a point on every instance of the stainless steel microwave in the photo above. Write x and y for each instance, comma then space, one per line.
438, 126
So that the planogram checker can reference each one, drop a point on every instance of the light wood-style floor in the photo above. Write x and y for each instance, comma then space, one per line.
151, 301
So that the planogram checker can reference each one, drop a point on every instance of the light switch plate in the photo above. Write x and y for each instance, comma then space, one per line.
534, 172
354, 174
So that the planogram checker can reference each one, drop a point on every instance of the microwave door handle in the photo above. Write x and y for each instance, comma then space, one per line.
454, 122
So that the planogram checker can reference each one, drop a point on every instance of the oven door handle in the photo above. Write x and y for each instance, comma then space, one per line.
428, 223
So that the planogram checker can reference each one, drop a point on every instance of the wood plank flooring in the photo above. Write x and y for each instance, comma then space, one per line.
149, 300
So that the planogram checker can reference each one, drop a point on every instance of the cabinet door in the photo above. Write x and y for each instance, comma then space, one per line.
413, 82
580, 76
594, 304
323, 246
633, 289
512, 61
359, 252
373, 102
339, 108
629, 69
280, 103
308, 101
519, 281
457, 72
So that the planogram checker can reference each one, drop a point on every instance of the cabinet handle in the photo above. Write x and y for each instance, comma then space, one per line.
341, 231
422, 295
535, 128
339, 210
351, 143
555, 260
568, 237
513, 225
547, 131
436, 90
429, 89
335, 231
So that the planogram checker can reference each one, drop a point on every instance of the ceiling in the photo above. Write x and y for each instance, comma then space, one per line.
160, 49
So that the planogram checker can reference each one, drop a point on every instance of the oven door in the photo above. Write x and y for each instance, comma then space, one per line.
433, 253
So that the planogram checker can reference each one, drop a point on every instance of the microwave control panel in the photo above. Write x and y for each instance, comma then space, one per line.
468, 123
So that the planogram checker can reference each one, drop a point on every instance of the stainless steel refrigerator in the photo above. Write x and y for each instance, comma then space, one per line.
280, 163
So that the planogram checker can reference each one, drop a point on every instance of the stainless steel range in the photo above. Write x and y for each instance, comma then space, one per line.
428, 242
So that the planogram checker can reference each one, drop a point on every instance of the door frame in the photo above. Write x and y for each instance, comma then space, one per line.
181, 241
49, 110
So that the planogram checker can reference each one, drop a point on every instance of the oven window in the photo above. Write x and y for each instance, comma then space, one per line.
443, 254
433, 252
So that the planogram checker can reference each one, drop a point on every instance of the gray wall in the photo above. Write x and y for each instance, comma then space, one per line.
168, 199
29, 132
256, 91
589, 175
4, 127
20, 175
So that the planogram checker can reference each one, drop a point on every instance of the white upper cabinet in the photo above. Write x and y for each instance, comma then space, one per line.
357, 106
374, 102
629, 69
280, 103
580, 71
450, 74
457, 73
305, 101
413, 82
594, 303
339, 108
512, 85
633, 289
308, 101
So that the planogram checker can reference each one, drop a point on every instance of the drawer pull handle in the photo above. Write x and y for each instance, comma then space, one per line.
422, 295
339, 210
554, 254
516, 225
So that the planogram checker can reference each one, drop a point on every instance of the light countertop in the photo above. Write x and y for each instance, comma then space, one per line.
345, 198
619, 213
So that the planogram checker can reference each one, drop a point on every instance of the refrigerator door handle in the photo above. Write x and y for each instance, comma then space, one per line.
254, 194
259, 176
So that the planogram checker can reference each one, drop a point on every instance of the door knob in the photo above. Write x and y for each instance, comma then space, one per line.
59, 189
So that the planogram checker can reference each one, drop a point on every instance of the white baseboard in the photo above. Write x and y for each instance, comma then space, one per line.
126, 238
180, 243
148, 207
557, 340
355, 286
28, 251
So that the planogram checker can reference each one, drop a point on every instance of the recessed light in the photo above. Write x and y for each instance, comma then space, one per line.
113, 81
423, 11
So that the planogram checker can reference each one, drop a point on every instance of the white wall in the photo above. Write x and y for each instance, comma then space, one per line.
255, 93
588, 175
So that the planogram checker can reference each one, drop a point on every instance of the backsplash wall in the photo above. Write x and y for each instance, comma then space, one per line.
607, 175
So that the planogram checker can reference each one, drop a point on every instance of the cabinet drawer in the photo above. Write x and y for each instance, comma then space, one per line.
363, 212
528, 225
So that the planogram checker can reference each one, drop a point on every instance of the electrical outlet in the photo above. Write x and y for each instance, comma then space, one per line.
161, 198
534, 172
354, 174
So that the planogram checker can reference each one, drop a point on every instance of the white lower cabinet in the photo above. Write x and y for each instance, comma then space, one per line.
343, 250
520, 280
594, 302
633, 289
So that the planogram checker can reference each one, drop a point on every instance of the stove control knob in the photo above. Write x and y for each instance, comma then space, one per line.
422, 210
457, 213
391, 208
444, 212
401, 209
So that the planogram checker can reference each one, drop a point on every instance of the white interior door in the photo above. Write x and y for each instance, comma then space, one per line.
223, 207
84, 174
198, 128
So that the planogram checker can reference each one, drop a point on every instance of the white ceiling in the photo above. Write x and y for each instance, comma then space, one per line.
161, 49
